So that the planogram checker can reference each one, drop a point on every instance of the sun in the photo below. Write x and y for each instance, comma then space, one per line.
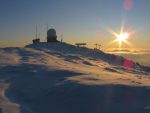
122, 38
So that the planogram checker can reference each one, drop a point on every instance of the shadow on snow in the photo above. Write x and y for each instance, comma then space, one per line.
43, 90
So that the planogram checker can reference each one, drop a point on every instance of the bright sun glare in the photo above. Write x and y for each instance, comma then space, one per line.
122, 37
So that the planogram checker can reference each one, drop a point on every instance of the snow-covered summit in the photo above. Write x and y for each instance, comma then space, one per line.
67, 49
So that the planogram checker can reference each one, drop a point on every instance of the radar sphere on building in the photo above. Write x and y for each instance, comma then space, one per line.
51, 33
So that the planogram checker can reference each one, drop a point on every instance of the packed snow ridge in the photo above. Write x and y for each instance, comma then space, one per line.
67, 50
63, 78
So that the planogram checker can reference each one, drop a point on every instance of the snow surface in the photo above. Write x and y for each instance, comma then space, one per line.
62, 78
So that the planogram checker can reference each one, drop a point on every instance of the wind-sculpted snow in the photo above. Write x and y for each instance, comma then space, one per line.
8, 57
61, 78
63, 49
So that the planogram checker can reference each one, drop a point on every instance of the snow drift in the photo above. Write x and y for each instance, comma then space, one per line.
62, 78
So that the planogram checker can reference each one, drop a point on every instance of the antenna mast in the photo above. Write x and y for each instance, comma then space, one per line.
46, 29
47, 26
61, 38
36, 32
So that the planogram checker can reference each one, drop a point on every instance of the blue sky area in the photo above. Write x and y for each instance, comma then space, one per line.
78, 20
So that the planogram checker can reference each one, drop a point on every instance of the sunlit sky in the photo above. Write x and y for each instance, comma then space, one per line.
78, 20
